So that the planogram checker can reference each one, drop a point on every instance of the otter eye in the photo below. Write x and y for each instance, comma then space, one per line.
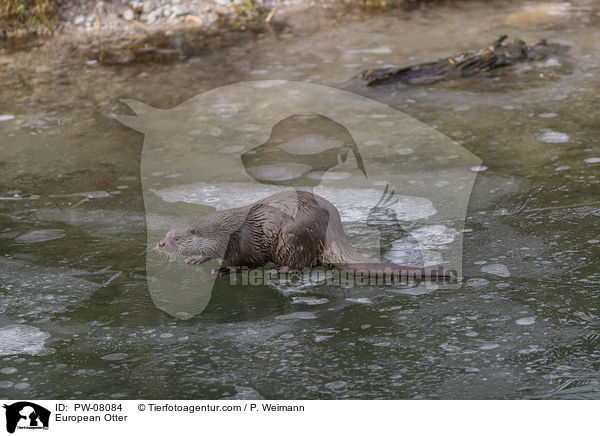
176, 238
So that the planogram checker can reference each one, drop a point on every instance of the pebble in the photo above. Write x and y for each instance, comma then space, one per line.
6, 117
8, 370
180, 10
153, 16
128, 14
148, 5
592, 160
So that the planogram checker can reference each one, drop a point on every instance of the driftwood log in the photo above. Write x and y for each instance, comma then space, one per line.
498, 54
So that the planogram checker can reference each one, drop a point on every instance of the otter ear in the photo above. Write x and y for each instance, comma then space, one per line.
193, 232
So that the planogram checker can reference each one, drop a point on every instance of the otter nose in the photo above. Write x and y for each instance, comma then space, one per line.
162, 243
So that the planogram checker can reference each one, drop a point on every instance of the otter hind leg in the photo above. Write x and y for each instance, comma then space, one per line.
300, 243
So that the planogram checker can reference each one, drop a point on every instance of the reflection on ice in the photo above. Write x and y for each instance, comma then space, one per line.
353, 204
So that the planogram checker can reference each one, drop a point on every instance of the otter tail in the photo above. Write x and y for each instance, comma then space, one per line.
341, 255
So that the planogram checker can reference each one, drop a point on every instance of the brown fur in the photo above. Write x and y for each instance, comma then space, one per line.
291, 229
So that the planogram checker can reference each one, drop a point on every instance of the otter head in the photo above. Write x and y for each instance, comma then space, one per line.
198, 238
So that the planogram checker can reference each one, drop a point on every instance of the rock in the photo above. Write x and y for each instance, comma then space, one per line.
79, 20
128, 14
180, 10
148, 6
153, 16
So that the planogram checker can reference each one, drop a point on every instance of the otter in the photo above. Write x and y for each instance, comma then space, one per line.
293, 230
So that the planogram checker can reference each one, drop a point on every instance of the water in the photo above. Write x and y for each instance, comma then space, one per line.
76, 316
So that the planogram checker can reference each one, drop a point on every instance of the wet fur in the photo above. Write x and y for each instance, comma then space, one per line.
291, 229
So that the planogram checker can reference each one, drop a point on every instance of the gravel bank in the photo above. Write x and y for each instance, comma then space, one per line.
127, 16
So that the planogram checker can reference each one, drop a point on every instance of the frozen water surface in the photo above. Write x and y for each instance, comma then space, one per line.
74, 293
